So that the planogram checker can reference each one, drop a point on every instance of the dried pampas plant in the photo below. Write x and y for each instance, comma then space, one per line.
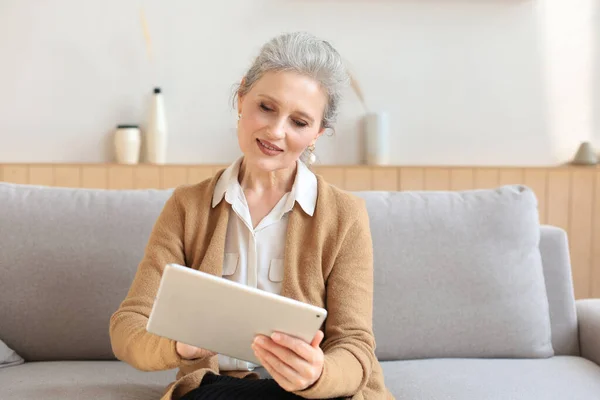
359, 93
146, 32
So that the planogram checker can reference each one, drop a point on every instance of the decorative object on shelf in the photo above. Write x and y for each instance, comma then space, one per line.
146, 33
156, 130
377, 128
586, 155
155, 135
375, 134
127, 141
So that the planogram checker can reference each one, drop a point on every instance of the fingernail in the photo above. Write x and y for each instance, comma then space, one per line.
259, 340
276, 336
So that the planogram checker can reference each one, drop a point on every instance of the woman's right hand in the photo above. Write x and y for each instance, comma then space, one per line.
189, 352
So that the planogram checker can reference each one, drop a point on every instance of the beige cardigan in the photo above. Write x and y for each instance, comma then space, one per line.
328, 262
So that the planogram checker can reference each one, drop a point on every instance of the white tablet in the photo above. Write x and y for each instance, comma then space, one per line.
222, 316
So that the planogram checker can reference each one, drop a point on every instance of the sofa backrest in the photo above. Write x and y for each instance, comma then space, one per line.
68, 256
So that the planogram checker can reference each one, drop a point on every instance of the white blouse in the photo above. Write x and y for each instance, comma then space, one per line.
254, 256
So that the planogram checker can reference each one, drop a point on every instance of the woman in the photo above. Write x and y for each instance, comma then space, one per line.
267, 221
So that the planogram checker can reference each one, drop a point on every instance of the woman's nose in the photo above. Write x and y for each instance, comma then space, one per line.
277, 130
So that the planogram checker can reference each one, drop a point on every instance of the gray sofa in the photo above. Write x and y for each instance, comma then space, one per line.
473, 299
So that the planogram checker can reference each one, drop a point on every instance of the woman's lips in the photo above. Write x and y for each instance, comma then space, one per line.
268, 148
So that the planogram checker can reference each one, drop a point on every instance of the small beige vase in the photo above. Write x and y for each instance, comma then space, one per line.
127, 142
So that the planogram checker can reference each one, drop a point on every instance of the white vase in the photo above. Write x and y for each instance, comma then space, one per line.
376, 138
127, 142
156, 130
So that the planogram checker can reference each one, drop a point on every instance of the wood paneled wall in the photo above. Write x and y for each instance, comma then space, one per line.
569, 197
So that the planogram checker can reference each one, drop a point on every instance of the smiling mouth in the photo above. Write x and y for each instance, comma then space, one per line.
268, 146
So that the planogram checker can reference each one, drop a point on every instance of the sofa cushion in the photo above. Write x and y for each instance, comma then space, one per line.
458, 274
556, 378
68, 258
66, 380
8, 357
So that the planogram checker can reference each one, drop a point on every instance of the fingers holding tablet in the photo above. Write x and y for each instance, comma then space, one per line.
293, 363
189, 352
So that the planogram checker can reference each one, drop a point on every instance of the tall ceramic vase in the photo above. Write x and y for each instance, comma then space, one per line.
156, 130
376, 138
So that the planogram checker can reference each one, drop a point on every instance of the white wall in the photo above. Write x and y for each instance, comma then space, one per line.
571, 44
484, 82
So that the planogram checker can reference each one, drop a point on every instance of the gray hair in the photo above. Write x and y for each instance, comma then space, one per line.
305, 54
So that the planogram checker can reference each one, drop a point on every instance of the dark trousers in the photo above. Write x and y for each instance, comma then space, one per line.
219, 387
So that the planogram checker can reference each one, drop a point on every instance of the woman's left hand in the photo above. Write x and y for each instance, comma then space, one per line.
293, 363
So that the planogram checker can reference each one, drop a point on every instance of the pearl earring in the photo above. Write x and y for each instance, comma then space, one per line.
311, 157
239, 116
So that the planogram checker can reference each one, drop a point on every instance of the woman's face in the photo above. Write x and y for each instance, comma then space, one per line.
280, 117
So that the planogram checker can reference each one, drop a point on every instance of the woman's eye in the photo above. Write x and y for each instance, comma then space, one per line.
265, 108
300, 124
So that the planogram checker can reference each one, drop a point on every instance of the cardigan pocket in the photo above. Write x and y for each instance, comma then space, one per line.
276, 270
230, 263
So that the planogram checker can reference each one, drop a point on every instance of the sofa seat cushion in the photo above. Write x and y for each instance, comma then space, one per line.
556, 378
65, 380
